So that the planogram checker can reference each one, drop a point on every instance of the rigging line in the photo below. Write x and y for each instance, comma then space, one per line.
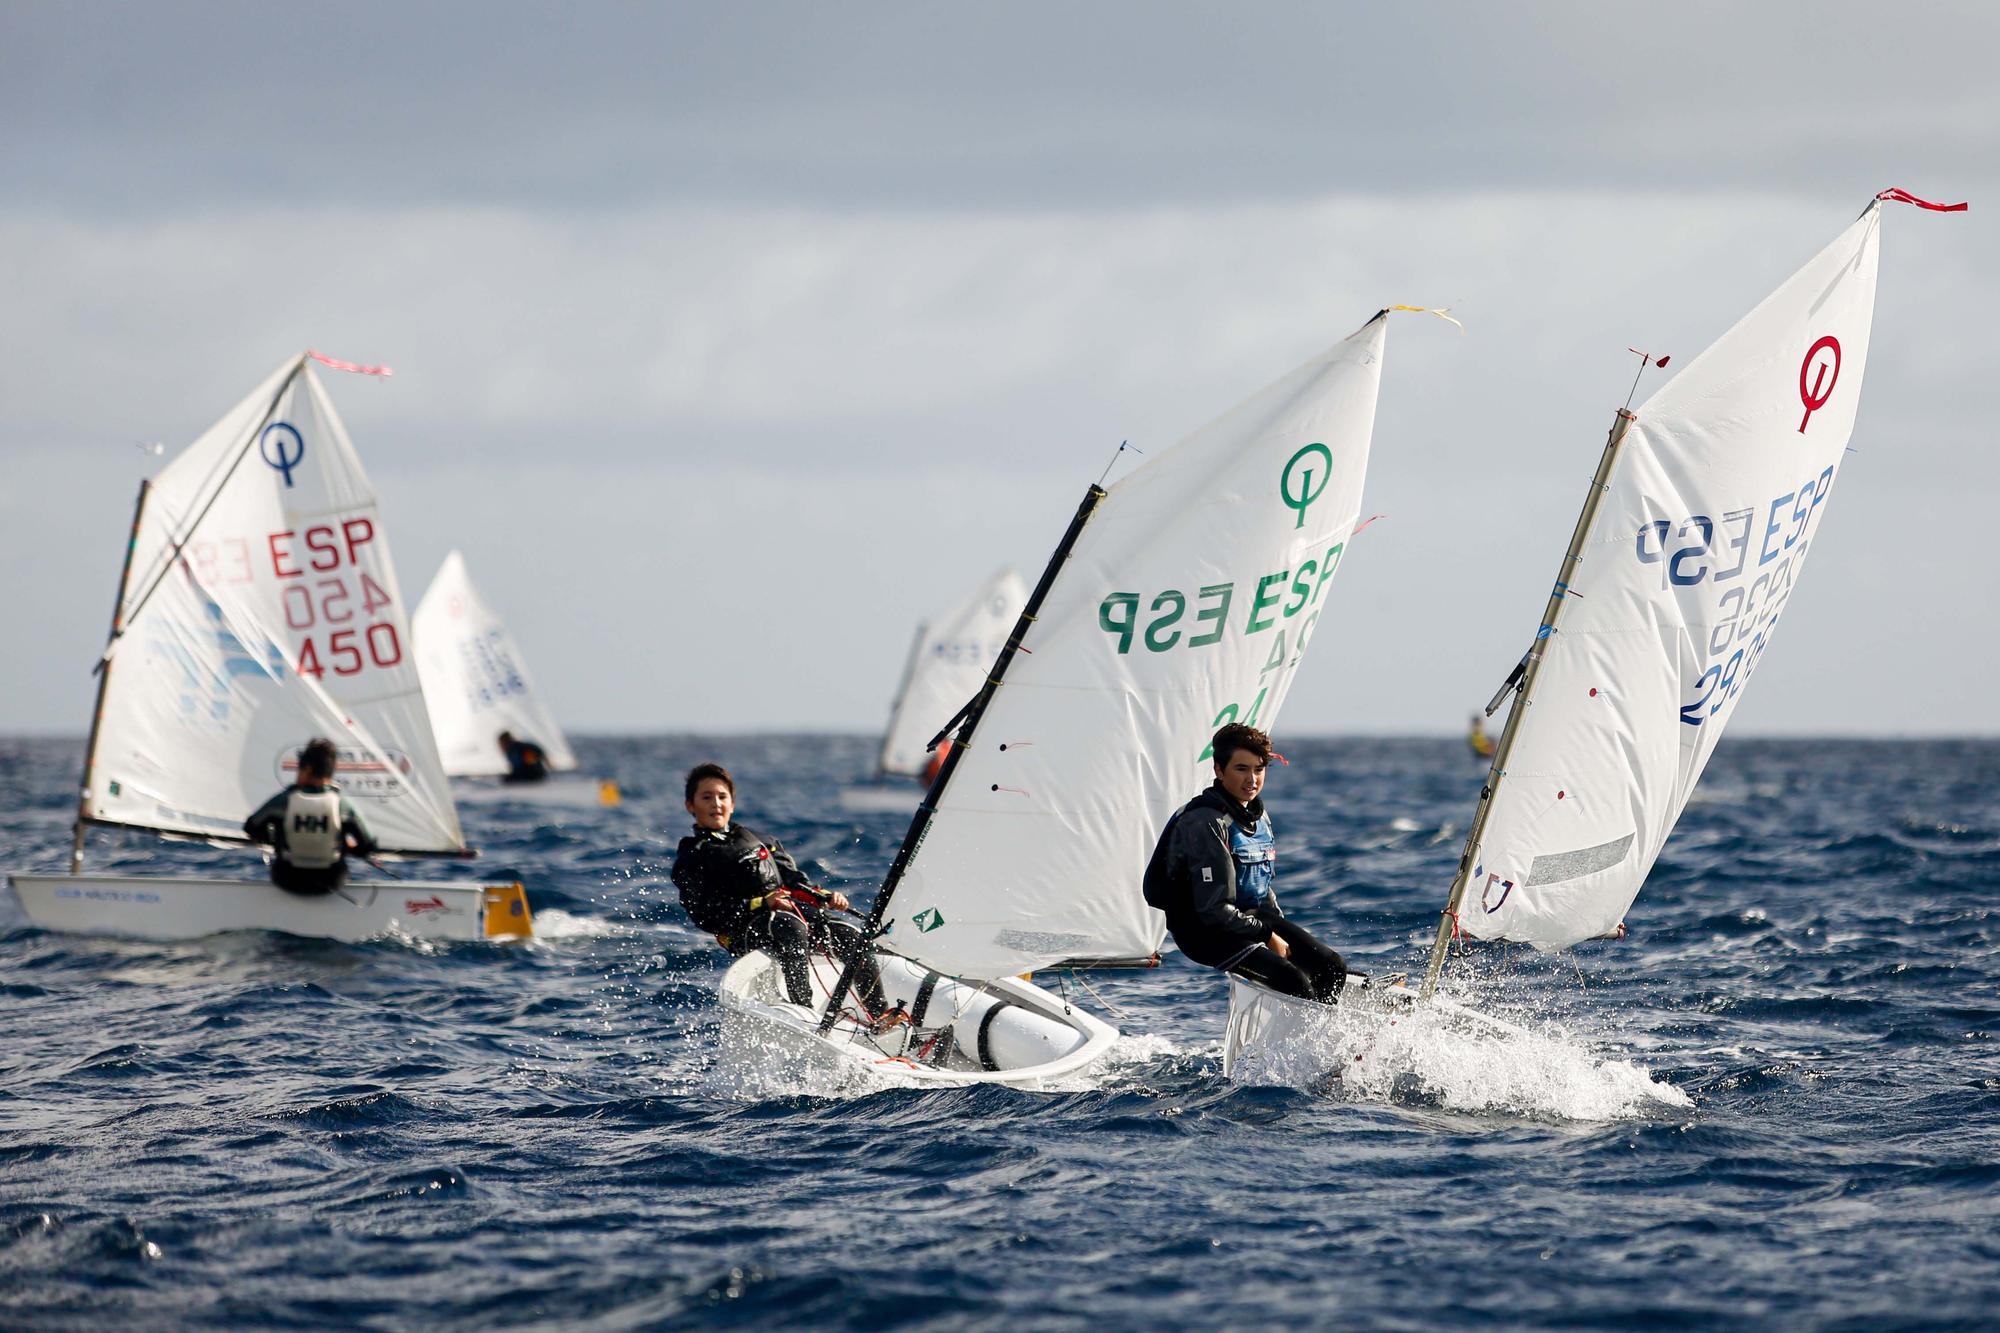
1109, 1007
1645, 359
174, 555
1123, 445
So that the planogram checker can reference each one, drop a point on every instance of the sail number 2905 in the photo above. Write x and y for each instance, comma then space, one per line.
1740, 623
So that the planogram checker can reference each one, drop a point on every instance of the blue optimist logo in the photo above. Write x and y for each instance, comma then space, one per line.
282, 447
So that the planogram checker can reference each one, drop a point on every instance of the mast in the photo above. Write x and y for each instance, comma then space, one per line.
967, 722
1523, 679
103, 680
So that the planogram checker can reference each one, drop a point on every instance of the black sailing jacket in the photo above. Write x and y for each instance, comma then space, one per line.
724, 877
1192, 876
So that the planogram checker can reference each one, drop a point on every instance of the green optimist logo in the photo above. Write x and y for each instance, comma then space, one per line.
1315, 460
927, 920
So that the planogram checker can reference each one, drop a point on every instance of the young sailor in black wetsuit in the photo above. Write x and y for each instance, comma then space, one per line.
310, 826
747, 891
1213, 871
525, 760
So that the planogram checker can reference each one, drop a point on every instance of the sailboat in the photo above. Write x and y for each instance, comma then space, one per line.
1691, 541
258, 607
1180, 599
477, 685
946, 664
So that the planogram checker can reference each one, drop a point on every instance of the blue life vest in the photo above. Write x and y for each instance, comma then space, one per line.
1256, 856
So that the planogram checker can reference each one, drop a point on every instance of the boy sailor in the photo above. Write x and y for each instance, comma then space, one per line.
310, 826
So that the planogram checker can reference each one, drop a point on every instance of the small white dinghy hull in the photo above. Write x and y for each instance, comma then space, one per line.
1007, 1031
1277, 1038
556, 793
165, 907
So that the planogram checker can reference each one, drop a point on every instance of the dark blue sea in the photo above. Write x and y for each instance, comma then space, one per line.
1775, 1105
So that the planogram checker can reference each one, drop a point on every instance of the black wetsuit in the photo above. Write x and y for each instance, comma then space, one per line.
725, 879
1193, 878
525, 762
268, 826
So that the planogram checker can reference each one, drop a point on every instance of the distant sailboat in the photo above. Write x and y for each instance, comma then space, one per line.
947, 665
1690, 544
258, 608
1179, 600
477, 684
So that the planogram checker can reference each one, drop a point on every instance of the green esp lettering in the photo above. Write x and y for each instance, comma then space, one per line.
1327, 566
1266, 598
1222, 719
1119, 614
1301, 589
1256, 706
1173, 603
1277, 655
1219, 613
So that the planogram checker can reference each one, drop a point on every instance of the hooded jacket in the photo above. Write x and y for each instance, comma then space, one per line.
725, 876
1192, 876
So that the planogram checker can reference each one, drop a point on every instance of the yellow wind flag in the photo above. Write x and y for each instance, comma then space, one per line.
1442, 312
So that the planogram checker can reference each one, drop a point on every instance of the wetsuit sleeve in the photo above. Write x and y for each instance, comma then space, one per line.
791, 876
270, 817
352, 824
1201, 846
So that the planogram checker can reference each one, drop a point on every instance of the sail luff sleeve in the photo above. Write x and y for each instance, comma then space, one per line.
920, 824
1530, 671
104, 682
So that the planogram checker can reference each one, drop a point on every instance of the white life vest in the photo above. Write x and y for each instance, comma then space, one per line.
313, 839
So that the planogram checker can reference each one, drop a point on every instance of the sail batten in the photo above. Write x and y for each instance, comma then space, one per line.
1691, 553
270, 614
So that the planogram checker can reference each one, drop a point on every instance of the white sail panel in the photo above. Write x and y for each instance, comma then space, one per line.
1720, 490
476, 682
1185, 603
280, 619
947, 666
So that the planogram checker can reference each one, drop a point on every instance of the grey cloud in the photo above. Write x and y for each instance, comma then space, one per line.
174, 108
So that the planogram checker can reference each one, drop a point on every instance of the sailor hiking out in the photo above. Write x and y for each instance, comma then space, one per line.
747, 891
310, 826
1214, 872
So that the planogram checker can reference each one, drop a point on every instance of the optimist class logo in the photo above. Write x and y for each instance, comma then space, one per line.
1817, 375
283, 448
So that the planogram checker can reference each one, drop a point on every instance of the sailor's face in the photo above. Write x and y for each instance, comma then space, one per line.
1242, 777
713, 804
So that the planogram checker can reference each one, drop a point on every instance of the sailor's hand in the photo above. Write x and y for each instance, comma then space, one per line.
1278, 946
836, 900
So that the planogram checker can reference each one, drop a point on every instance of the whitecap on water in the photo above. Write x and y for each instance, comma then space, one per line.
1452, 1058
552, 923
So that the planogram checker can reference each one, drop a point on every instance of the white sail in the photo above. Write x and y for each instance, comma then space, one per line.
1719, 491
948, 663
278, 620
476, 682
1185, 603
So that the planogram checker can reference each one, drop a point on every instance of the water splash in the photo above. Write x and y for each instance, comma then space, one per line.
1444, 1055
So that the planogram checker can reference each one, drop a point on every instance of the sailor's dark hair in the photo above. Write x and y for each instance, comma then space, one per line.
1236, 737
319, 755
701, 773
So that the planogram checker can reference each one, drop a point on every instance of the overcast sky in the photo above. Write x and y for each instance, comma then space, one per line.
733, 339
